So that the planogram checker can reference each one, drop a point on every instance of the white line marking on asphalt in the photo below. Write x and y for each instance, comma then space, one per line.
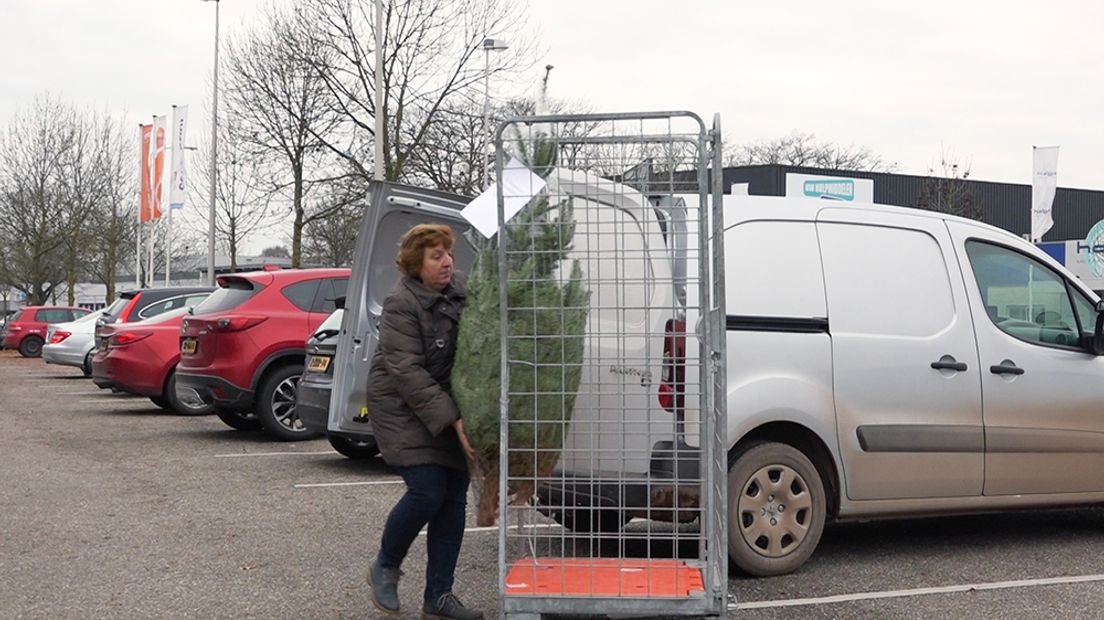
241, 454
115, 401
80, 393
315, 485
494, 528
866, 596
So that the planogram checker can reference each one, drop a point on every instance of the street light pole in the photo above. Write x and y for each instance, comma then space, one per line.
489, 45
377, 168
214, 157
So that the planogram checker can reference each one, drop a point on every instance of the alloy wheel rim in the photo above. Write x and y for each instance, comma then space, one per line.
33, 346
283, 404
775, 510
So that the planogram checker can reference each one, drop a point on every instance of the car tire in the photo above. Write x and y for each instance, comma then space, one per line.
31, 346
86, 367
161, 402
357, 449
240, 420
776, 509
179, 406
275, 405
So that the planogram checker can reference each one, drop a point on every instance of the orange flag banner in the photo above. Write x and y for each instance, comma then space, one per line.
145, 131
157, 165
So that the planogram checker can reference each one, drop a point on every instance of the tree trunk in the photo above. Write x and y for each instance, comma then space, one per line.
297, 227
71, 281
485, 480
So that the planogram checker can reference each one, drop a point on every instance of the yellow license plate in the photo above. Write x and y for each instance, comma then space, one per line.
318, 363
188, 346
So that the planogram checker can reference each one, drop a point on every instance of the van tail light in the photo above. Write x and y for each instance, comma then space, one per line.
237, 323
59, 336
672, 385
125, 338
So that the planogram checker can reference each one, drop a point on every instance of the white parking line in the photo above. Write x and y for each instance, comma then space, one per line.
114, 401
316, 485
85, 393
494, 528
241, 454
866, 596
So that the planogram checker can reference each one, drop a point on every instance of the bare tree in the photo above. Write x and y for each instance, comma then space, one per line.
432, 58
112, 221
33, 222
332, 240
276, 251
243, 197
282, 110
803, 149
948, 191
452, 155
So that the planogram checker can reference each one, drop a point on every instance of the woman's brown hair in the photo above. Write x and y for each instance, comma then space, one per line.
414, 243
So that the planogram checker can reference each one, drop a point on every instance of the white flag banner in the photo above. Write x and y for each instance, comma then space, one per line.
1044, 183
179, 132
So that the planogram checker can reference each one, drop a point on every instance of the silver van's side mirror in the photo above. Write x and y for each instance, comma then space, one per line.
1097, 346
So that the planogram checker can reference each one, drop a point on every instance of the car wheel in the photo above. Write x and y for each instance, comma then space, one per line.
241, 420
86, 367
275, 406
31, 346
354, 448
776, 509
179, 406
161, 402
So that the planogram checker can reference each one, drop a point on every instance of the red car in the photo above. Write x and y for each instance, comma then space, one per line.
242, 349
141, 358
26, 329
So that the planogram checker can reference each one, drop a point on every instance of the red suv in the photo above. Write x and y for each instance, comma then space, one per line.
242, 349
26, 329
141, 358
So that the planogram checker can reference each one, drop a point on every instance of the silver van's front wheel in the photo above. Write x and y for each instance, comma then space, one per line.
776, 509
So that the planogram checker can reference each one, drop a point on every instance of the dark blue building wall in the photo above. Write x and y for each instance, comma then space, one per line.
1007, 205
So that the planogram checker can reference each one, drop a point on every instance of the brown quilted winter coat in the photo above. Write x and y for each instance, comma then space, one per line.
409, 390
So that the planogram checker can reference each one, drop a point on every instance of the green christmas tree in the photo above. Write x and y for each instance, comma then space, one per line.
547, 320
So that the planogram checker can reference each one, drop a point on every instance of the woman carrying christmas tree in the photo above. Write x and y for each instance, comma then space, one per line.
417, 424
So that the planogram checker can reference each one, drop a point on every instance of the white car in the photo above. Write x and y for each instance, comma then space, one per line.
72, 343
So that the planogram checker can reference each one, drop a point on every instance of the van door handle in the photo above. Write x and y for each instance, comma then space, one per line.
941, 365
1006, 369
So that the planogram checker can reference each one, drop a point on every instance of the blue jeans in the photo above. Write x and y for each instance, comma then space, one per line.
438, 496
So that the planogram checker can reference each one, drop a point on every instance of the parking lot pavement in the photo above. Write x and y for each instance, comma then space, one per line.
113, 508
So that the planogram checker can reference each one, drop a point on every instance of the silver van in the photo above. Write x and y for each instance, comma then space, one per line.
881, 362
886, 362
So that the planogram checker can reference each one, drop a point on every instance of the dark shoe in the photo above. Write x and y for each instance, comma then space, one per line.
448, 607
385, 588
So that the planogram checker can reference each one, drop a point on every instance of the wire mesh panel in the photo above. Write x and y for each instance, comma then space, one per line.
612, 448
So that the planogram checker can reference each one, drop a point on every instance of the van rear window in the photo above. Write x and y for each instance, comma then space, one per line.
231, 293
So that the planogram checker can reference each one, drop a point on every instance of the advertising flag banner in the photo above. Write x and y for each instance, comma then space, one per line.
179, 131
157, 165
144, 132
1044, 183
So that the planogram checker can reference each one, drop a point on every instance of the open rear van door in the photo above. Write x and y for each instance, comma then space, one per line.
392, 209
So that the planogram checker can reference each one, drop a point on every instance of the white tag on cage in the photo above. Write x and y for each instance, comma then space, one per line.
519, 185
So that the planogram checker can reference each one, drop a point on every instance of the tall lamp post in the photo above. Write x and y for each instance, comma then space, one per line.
214, 157
489, 45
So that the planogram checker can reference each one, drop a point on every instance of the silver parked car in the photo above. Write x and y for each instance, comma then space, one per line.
72, 343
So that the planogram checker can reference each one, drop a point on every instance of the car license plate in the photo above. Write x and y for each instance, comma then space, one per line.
319, 363
188, 346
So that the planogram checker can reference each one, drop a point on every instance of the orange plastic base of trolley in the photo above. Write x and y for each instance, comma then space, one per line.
603, 577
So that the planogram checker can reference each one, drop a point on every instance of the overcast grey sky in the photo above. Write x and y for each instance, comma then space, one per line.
980, 80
